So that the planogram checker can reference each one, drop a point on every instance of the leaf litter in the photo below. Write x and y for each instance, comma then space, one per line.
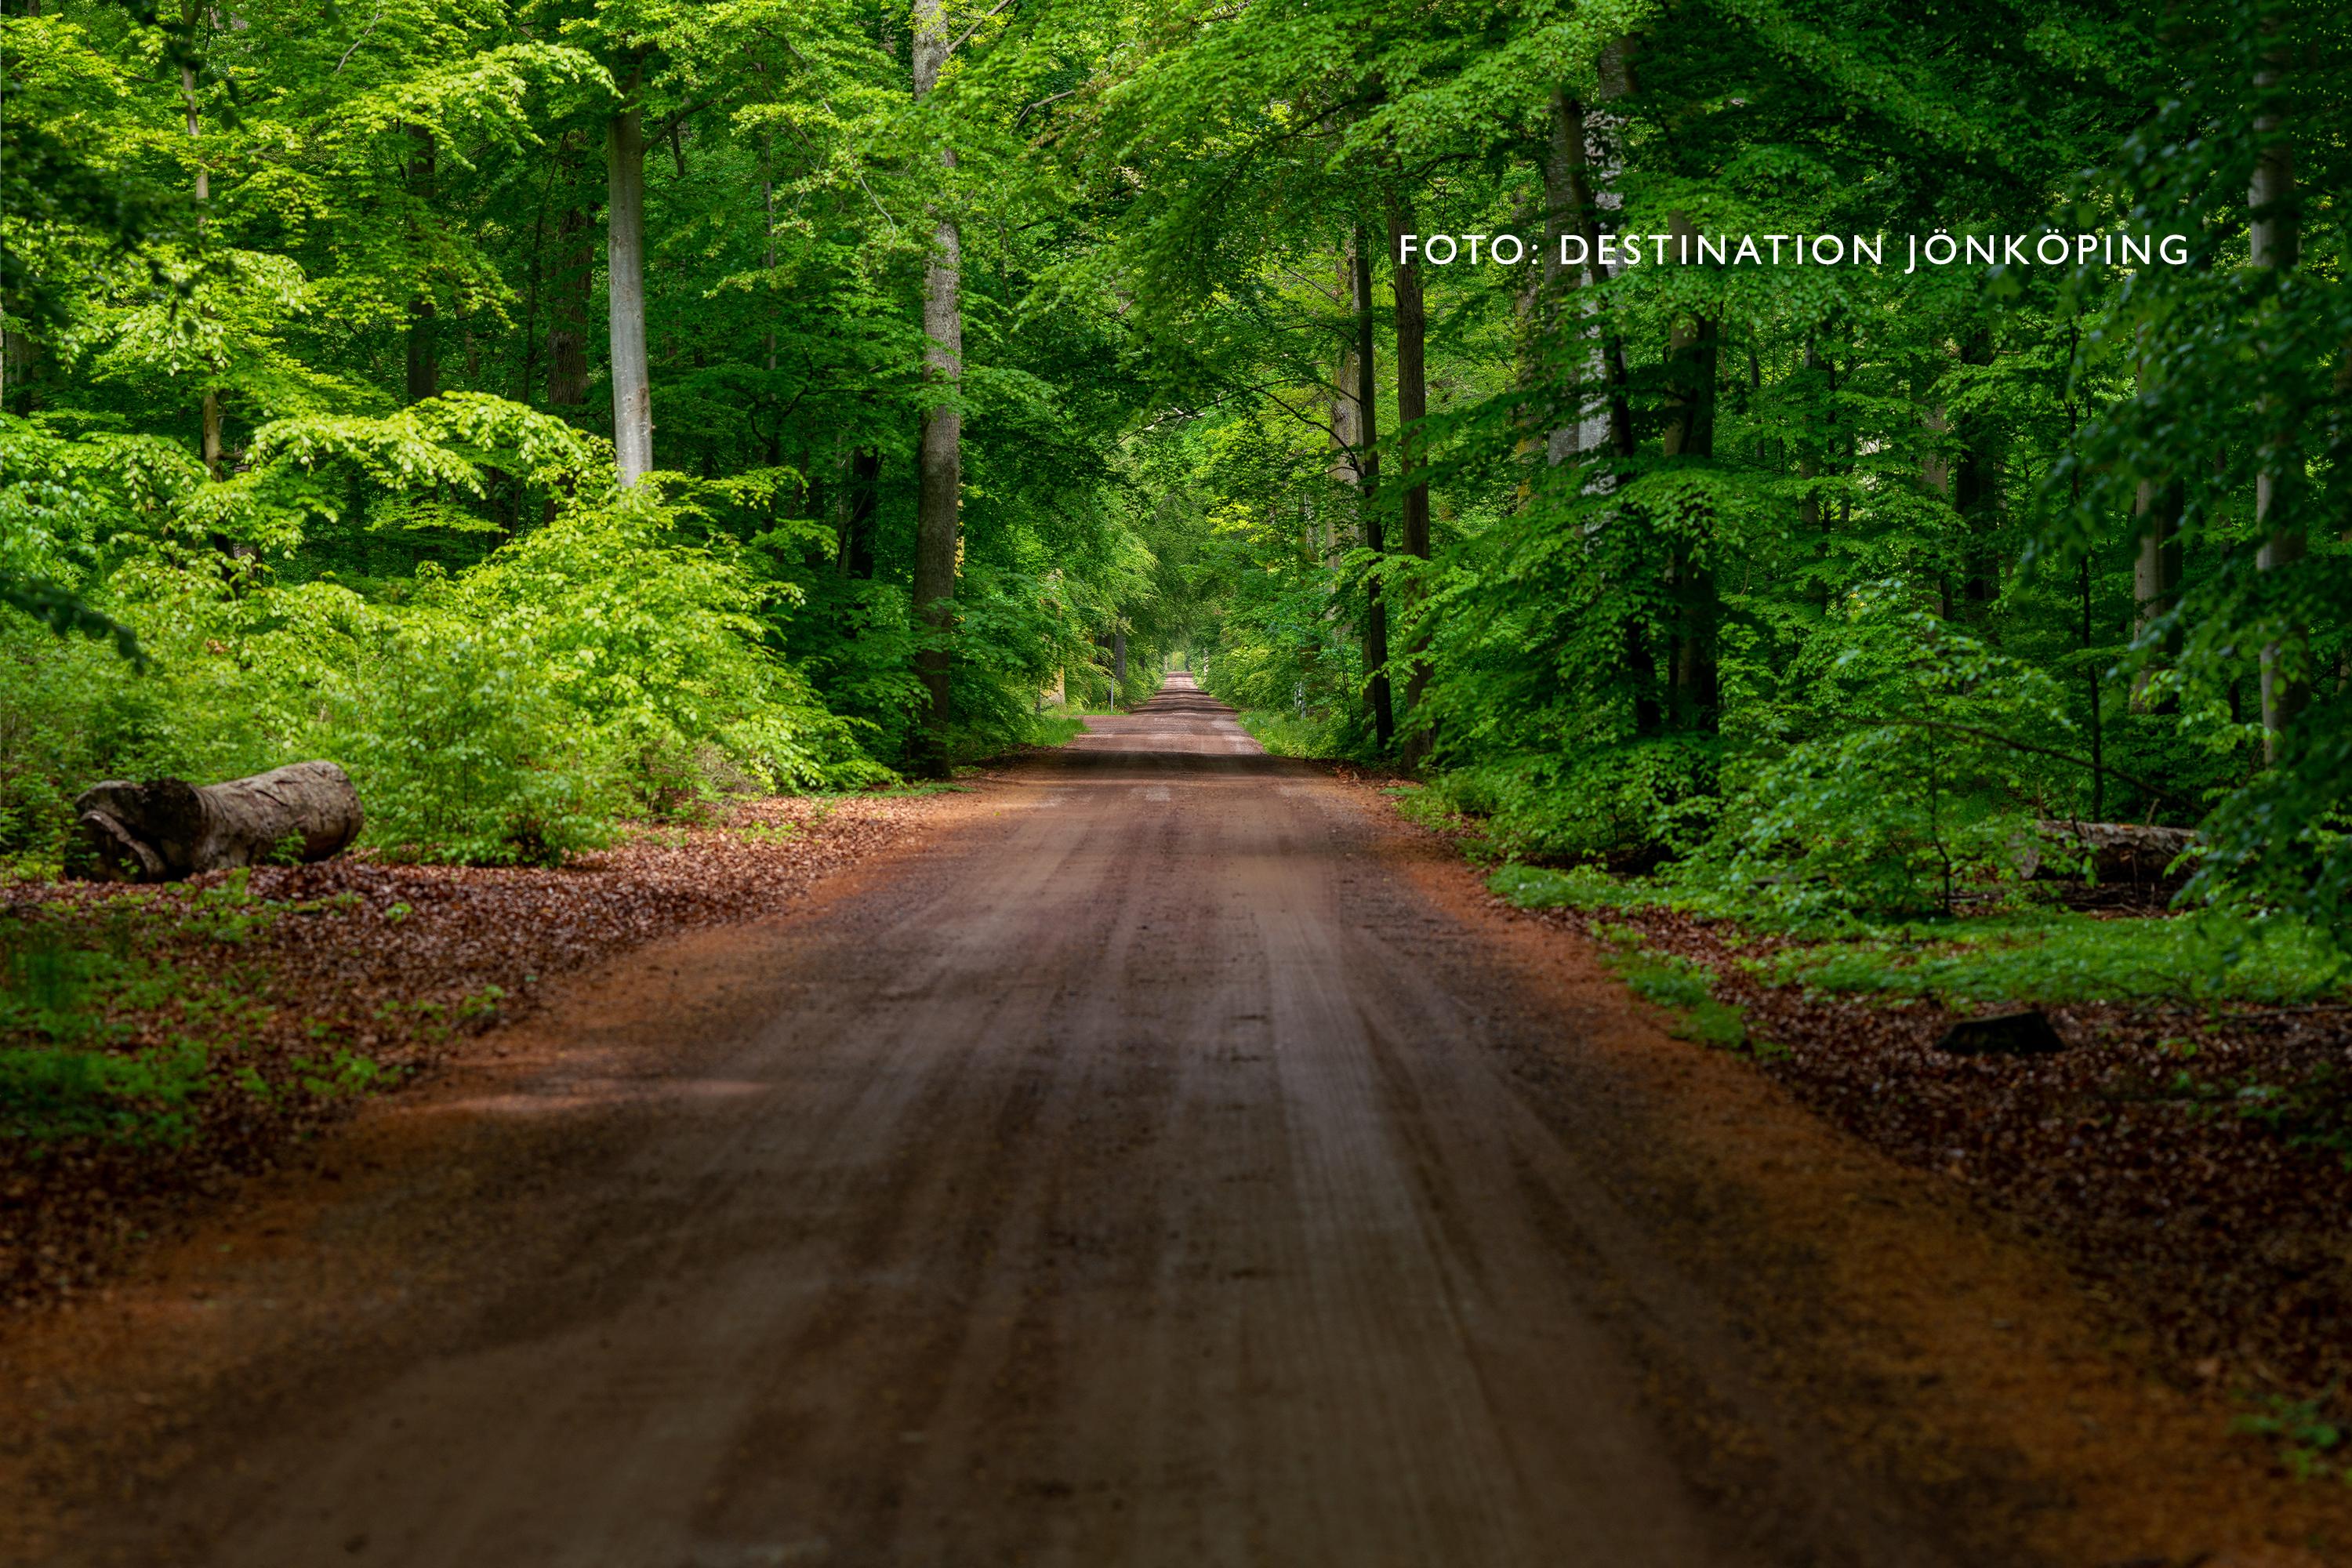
2188, 1161
218, 1024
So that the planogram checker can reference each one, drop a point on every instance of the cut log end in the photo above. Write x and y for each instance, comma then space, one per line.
162, 830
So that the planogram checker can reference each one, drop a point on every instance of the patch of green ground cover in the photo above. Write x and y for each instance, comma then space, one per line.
50, 1093
2310, 1441
1576, 888
1435, 810
2053, 956
1685, 989
2208, 957
81, 984
1059, 728
1286, 734
70, 993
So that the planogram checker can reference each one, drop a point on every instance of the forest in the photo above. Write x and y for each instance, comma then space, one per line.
564, 413
656, 449
569, 415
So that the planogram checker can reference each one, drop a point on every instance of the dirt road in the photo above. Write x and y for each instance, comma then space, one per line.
1142, 1173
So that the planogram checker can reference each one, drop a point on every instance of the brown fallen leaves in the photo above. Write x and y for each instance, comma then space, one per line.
2229, 1247
313, 969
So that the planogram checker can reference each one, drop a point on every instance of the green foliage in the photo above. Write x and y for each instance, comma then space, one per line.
2210, 956
1685, 989
1920, 785
2309, 1438
1576, 888
1588, 804
1288, 734
47, 1094
461, 749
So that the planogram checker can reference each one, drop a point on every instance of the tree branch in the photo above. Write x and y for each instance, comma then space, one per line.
975, 27
2015, 745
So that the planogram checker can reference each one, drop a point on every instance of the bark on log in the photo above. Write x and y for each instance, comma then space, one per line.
2118, 851
164, 829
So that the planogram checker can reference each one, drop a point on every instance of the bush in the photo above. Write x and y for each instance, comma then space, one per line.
1639, 798
462, 750
1930, 759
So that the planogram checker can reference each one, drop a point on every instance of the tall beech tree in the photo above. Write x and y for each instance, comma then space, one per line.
624, 268
939, 505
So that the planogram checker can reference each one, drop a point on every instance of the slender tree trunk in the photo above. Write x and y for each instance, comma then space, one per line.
2083, 589
203, 176
1412, 384
853, 514
209, 438
1347, 434
768, 265
624, 260
1604, 416
567, 338
940, 459
1413, 439
1375, 619
2276, 238
1809, 467
1692, 356
535, 284
423, 329
2157, 565
1963, 474
1976, 496
1587, 147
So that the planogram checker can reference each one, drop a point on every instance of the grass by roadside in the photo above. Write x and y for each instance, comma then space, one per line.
158, 1044
1284, 734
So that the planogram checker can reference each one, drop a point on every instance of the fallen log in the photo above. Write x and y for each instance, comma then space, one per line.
164, 829
2116, 851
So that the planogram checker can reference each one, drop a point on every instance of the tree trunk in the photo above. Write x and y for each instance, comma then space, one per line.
1604, 416
1811, 516
209, 438
939, 472
208, 433
423, 329
164, 829
2275, 238
567, 337
1693, 347
203, 176
2157, 567
1413, 440
852, 514
1976, 496
1347, 434
624, 260
1376, 618
2115, 851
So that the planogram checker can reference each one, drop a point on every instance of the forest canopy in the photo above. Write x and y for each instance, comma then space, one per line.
561, 413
